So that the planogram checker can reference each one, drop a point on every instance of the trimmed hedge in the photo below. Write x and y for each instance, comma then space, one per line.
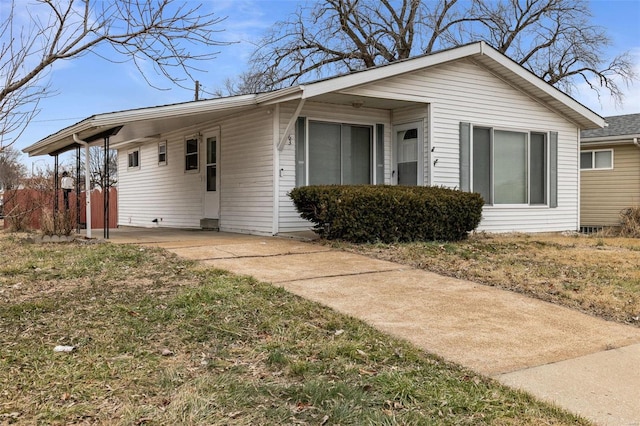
370, 213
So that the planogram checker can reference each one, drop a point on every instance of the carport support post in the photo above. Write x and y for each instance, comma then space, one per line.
87, 182
56, 188
87, 188
106, 188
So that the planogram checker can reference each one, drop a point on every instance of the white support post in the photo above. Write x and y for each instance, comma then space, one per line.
87, 184
292, 122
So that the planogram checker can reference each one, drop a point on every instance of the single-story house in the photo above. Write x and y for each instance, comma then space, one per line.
466, 117
609, 171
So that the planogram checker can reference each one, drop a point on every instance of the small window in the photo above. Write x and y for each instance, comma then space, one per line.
212, 164
191, 154
162, 153
134, 159
596, 160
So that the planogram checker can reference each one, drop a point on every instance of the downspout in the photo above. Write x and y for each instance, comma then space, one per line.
636, 143
87, 184
277, 171
579, 179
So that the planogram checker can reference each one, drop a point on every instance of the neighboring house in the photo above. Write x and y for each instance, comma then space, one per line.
609, 171
466, 117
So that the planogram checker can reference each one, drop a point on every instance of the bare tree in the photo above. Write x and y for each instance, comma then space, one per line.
97, 169
11, 174
556, 41
162, 33
97, 174
335, 36
552, 38
12, 171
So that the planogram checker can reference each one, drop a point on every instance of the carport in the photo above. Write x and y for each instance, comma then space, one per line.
118, 129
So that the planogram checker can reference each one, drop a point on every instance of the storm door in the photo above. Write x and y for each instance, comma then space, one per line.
212, 176
408, 169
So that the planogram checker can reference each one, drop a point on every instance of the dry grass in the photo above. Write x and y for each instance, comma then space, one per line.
161, 341
630, 222
598, 275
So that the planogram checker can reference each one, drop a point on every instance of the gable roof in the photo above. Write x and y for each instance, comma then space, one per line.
156, 120
619, 127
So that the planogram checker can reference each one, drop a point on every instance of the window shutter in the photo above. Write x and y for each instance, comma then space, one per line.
301, 167
379, 154
465, 157
553, 169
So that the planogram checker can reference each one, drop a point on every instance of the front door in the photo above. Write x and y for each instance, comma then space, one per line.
407, 165
212, 175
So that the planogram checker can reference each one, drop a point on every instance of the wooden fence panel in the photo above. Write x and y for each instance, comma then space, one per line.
31, 205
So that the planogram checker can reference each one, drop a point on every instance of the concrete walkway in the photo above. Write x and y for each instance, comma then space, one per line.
584, 364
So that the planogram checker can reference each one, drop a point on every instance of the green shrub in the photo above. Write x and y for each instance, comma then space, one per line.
369, 213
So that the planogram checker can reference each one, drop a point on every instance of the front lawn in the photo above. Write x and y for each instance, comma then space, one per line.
158, 341
595, 274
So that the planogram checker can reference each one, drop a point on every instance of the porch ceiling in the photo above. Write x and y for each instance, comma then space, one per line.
358, 100
152, 127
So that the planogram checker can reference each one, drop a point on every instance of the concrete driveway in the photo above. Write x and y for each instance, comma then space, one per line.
584, 364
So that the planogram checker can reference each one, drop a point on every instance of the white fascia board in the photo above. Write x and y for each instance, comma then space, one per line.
612, 139
542, 85
282, 95
390, 70
167, 111
111, 119
39, 148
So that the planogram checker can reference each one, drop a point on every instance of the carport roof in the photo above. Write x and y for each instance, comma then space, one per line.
153, 121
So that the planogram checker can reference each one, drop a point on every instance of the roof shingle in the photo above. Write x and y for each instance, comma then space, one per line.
618, 125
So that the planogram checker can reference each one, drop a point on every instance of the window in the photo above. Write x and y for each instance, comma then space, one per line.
191, 154
335, 153
339, 154
594, 160
162, 153
133, 158
508, 167
211, 163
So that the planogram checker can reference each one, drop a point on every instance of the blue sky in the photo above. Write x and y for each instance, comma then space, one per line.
89, 85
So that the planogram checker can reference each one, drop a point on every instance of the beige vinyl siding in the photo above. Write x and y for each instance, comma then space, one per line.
604, 193
465, 92
289, 220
